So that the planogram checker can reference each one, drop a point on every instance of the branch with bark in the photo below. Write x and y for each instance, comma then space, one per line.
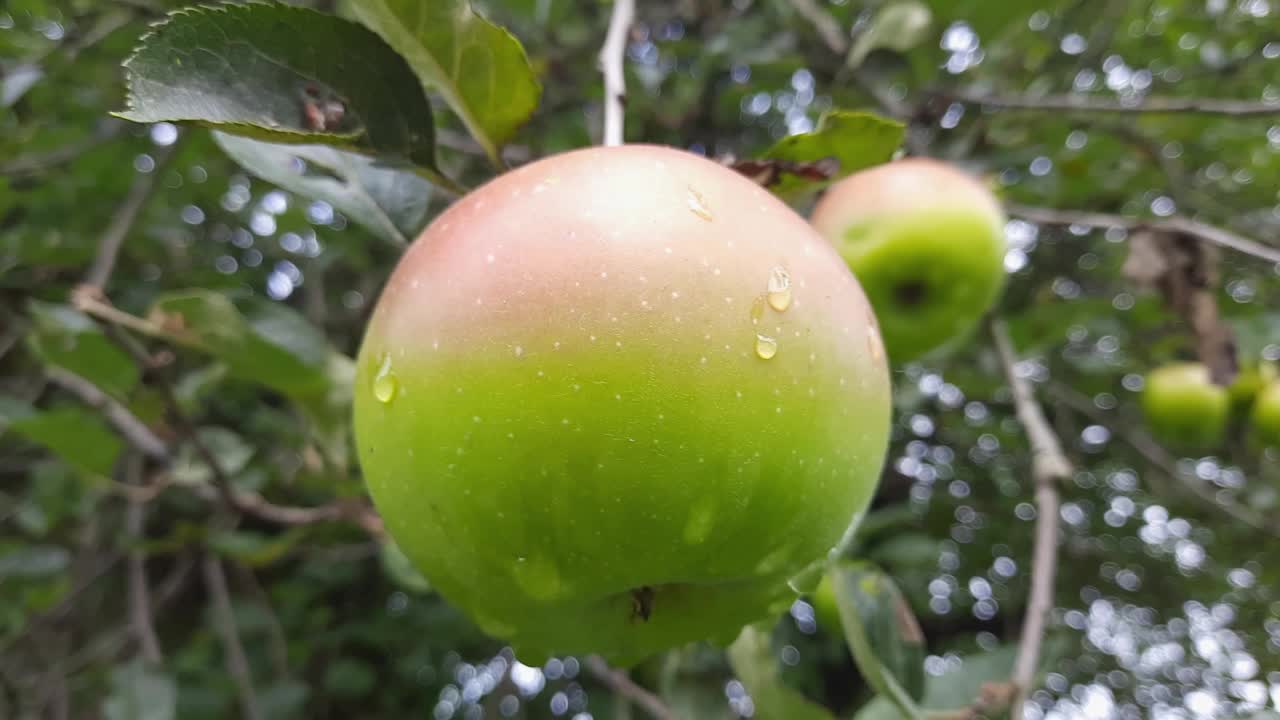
1049, 467
224, 621
1098, 104
1175, 224
142, 438
112, 239
622, 684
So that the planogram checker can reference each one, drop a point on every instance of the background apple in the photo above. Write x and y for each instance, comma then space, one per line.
1184, 407
1264, 419
926, 242
611, 401
1249, 382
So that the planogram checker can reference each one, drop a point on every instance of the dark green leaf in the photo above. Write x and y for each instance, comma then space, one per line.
230, 450
77, 435
284, 74
898, 26
259, 340
256, 549
400, 569
350, 677
390, 203
756, 665
883, 636
856, 140
479, 68
895, 635
65, 337
141, 693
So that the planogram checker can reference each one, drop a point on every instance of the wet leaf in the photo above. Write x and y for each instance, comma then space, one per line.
283, 74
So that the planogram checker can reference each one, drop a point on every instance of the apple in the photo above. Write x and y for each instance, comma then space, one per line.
1264, 418
926, 241
1249, 382
614, 400
1184, 407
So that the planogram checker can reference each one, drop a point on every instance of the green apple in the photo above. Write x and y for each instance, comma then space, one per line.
614, 400
1264, 419
1249, 382
926, 242
1184, 407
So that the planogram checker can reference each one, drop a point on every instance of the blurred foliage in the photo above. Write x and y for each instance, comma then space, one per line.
1167, 603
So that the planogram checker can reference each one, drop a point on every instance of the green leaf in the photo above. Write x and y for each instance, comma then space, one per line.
78, 436
883, 635
892, 632
141, 693
259, 340
34, 561
231, 451
478, 67
856, 140
254, 548
350, 677
400, 569
390, 203
66, 337
900, 26
283, 74
756, 665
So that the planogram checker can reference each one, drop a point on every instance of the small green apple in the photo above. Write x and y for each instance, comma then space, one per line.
1249, 382
1264, 419
614, 400
1184, 407
926, 242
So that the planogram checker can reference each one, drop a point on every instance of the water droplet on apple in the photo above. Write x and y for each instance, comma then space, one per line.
698, 205
385, 382
766, 347
779, 289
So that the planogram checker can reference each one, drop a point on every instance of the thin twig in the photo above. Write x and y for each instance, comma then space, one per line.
224, 621
113, 237
146, 441
117, 415
1095, 104
139, 589
1049, 466
1174, 224
615, 81
620, 683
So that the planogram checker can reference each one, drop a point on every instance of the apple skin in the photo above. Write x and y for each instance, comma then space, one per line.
1264, 417
926, 241
567, 419
1184, 407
